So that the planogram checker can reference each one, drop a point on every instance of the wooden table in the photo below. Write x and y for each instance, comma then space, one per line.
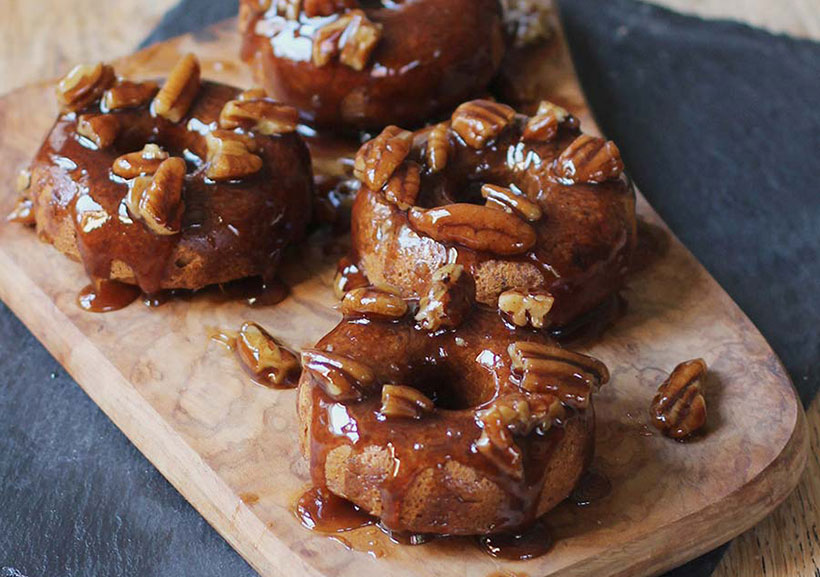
42, 38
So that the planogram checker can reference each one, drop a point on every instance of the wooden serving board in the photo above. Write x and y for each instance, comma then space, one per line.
231, 448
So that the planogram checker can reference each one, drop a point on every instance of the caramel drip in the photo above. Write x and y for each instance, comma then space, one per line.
530, 543
320, 510
106, 296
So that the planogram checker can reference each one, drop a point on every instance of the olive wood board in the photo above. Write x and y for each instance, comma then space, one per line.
230, 446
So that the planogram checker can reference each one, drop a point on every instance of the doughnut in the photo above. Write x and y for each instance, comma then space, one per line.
175, 187
439, 418
540, 214
365, 64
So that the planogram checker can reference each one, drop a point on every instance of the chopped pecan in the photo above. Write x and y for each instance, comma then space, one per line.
101, 129
264, 357
378, 159
526, 308
157, 200
142, 162
230, 155
176, 96
476, 227
348, 277
404, 402
288, 8
83, 86
679, 408
127, 94
512, 201
438, 147
261, 115
514, 414
548, 368
373, 302
449, 298
327, 7
402, 188
340, 377
544, 125
352, 37
479, 121
589, 159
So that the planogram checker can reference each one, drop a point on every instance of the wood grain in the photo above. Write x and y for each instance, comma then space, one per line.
43, 37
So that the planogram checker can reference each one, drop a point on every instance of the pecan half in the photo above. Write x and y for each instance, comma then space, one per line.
261, 115
589, 159
101, 129
157, 200
127, 94
512, 201
479, 121
526, 308
134, 164
476, 227
438, 147
352, 37
551, 369
402, 188
544, 125
449, 298
176, 96
404, 402
230, 155
373, 302
83, 86
378, 159
514, 414
314, 8
340, 377
679, 408
264, 357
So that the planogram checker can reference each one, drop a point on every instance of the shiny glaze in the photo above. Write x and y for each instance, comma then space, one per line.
228, 338
320, 510
241, 225
433, 54
584, 240
532, 542
105, 296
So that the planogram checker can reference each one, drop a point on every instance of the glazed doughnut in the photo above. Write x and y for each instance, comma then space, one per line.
363, 64
539, 214
183, 186
476, 429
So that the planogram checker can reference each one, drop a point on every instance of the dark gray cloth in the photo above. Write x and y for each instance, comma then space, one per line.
718, 125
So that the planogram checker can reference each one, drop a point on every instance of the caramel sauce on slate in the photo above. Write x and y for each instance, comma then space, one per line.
106, 296
592, 487
320, 510
532, 542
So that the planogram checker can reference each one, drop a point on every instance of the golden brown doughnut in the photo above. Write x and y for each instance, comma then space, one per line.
365, 64
183, 186
540, 215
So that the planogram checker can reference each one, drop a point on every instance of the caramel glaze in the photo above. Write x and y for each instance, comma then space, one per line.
432, 55
460, 371
230, 230
584, 240
529, 543
320, 510
104, 296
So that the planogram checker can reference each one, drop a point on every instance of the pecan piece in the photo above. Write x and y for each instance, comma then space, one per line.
449, 298
402, 188
511, 200
373, 302
176, 96
127, 94
589, 159
23, 212
157, 200
514, 414
101, 129
352, 37
679, 408
404, 402
526, 308
551, 369
230, 155
252, 94
544, 125
266, 358
142, 162
476, 227
261, 115
327, 7
438, 147
340, 377
378, 159
479, 121
83, 86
